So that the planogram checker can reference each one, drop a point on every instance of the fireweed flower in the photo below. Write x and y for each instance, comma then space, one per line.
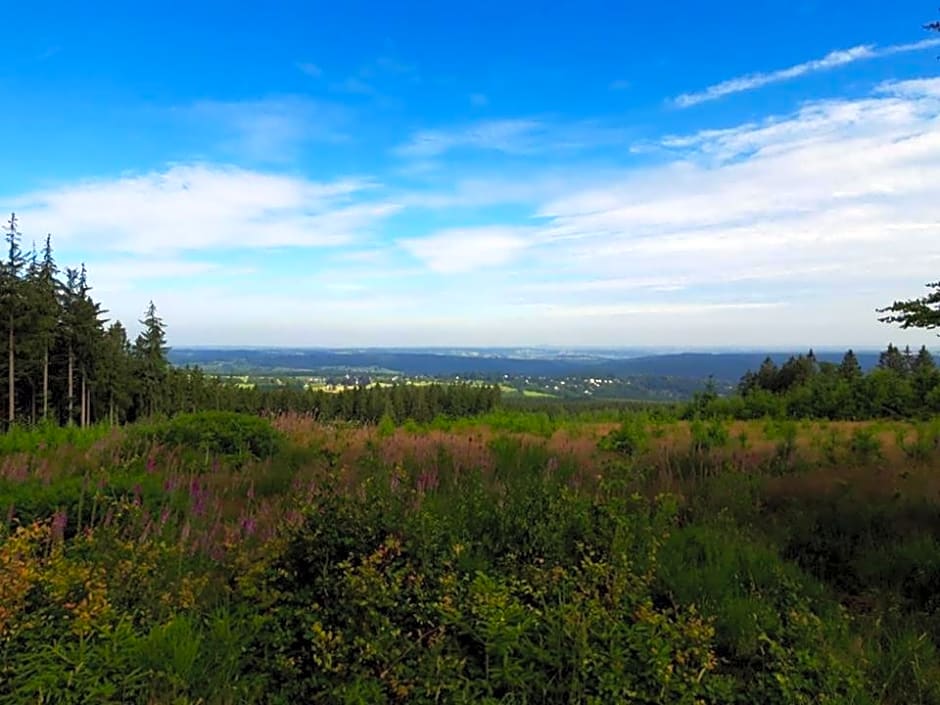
59, 522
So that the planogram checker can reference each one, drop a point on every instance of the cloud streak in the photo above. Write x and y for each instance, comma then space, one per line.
203, 207
270, 130
515, 137
832, 60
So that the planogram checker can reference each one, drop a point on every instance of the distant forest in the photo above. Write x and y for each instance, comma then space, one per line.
903, 384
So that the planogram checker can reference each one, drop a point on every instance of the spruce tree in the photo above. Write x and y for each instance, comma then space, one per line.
893, 359
114, 372
924, 362
849, 368
150, 351
48, 314
89, 324
69, 333
915, 313
12, 306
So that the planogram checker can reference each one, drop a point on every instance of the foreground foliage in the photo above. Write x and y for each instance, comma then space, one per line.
220, 559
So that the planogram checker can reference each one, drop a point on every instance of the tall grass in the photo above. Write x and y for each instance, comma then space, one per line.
510, 558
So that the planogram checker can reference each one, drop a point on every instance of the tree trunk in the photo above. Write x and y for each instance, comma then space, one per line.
45, 384
111, 407
71, 386
11, 412
84, 411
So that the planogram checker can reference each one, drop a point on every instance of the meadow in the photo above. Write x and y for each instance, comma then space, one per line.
514, 557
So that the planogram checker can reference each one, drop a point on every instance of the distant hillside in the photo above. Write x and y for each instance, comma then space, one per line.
725, 367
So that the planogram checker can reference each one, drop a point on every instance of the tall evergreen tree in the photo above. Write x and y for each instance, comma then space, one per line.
150, 351
47, 315
850, 369
893, 359
12, 305
89, 323
68, 333
114, 372
924, 362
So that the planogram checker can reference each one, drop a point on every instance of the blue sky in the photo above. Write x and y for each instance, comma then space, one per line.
424, 173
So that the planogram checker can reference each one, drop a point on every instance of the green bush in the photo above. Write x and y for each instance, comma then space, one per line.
772, 622
631, 439
219, 432
531, 595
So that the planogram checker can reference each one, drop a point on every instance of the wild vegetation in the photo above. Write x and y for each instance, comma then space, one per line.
222, 558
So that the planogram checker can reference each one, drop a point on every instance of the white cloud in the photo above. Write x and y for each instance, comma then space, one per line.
832, 60
203, 207
521, 136
808, 220
498, 135
461, 250
839, 194
272, 129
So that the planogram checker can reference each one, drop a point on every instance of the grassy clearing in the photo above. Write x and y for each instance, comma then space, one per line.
518, 557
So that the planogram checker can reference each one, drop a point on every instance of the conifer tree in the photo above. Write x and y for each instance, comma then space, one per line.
924, 362
151, 353
47, 315
915, 313
893, 359
88, 330
12, 306
69, 334
114, 371
849, 368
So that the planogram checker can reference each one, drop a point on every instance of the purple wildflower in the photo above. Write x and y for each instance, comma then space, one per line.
59, 522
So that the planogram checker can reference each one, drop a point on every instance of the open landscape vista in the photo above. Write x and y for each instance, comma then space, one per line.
501, 353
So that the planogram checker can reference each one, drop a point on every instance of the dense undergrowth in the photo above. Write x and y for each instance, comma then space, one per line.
513, 558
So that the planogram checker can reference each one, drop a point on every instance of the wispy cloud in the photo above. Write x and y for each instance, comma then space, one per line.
832, 60
468, 249
272, 129
511, 136
517, 136
791, 216
201, 207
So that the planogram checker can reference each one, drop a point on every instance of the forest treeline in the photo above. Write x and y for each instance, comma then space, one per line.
65, 363
904, 384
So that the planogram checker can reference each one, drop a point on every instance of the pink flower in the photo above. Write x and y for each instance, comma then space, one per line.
59, 522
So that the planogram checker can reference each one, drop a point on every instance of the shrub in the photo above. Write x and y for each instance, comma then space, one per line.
865, 445
772, 622
631, 439
220, 432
